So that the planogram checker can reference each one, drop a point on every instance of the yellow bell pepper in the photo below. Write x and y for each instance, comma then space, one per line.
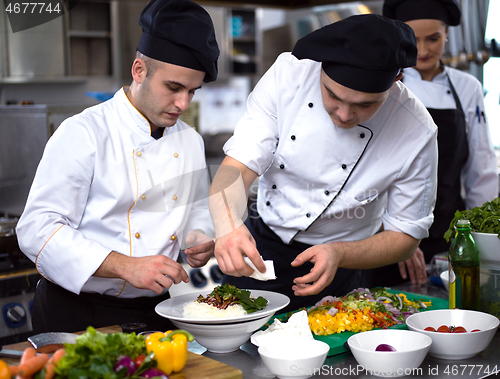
170, 349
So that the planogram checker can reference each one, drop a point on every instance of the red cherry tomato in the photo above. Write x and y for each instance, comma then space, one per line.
459, 329
139, 359
430, 329
443, 329
475, 330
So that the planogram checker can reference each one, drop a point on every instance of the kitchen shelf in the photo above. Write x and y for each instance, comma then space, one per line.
42, 80
244, 39
89, 33
244, 52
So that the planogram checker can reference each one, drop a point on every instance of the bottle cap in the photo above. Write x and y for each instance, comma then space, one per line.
463, 223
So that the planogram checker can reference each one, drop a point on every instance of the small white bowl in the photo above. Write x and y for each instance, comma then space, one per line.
488, 245
444, 278
455, 346
411, 349
222, 338
297, 358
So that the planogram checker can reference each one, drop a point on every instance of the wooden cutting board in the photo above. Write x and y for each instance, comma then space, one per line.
197, 366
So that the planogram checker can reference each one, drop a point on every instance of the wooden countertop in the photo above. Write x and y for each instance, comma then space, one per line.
197, 366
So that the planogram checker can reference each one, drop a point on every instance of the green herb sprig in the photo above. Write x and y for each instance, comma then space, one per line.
243, 297
483, 219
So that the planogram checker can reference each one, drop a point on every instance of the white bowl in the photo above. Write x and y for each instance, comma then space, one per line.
488, 245
455, 345
411, 349
444, 278
222, 338
297, 359
173, 308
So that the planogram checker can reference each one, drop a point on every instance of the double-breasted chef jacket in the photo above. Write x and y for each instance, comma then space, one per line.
104, 183
319, 183
480, 172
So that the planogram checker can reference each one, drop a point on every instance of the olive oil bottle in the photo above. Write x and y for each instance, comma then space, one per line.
463, 269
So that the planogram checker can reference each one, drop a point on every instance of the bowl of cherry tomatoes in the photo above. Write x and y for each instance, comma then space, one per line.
456, 333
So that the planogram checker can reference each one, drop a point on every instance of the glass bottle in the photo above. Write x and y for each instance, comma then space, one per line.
463, 269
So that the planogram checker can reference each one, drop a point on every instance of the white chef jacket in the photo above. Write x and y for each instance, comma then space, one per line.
320, 183
105, 184
480, 174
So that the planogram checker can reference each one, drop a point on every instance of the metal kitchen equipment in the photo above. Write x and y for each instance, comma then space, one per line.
18, 278
24, 131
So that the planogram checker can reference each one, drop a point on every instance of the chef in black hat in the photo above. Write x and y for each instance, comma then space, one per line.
454, 99
122, 187
346, 159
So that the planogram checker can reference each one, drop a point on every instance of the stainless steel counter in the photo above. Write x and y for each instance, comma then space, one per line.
344, 365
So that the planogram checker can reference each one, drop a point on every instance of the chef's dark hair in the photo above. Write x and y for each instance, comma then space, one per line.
151, 64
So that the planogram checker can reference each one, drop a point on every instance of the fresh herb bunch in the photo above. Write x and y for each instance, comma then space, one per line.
483, 219
94, 354
243, 298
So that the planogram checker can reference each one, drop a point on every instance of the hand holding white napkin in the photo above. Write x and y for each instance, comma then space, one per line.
268, 275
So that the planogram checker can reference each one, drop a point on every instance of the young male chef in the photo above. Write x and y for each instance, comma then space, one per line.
346, 161
119, 186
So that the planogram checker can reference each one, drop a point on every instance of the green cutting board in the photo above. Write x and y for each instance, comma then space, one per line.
337, 342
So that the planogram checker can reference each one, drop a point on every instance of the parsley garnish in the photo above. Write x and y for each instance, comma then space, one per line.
242, 297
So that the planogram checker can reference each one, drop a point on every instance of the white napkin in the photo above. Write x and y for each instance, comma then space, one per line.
297, 328
268, 275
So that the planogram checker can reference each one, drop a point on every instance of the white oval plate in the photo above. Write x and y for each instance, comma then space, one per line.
173, 308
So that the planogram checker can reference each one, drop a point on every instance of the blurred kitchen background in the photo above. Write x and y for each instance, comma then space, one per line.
52, 71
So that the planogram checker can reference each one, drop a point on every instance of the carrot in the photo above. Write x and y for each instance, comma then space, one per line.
28, 354
58, 354
32, 366
13, 370
50, 367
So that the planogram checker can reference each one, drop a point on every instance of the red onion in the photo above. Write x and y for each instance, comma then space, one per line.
125, 362
154, 373
384, 347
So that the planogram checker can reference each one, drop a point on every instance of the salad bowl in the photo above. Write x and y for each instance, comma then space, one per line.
455, 346
173, 308
221, 334
409, 351
223, 338
297, 359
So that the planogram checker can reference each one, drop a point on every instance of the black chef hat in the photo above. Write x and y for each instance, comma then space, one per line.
363, 52
179, 32
407, 10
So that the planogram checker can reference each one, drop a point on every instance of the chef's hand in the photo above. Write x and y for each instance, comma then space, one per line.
414, 267
231, 248
200, 248
326, 263
154, 273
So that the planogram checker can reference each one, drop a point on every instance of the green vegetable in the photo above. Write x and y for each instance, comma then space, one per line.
483, 219
243, 297
94, 355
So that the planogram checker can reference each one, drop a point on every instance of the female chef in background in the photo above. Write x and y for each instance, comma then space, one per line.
455, 101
